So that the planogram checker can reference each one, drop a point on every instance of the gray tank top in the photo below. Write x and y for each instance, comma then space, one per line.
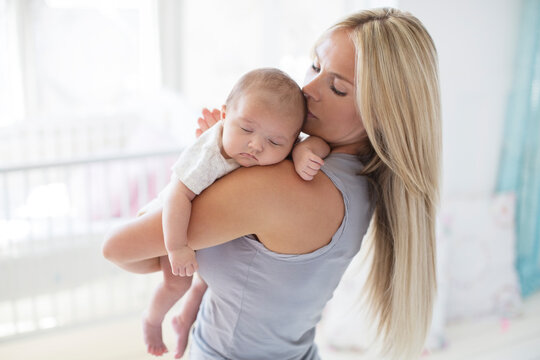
264, 305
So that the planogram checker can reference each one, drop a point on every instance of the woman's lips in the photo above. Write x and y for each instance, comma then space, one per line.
310, 115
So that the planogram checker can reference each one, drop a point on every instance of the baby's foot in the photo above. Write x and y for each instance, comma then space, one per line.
181, 328
153, 339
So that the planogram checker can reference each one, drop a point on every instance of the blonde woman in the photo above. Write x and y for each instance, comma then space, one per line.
372, 95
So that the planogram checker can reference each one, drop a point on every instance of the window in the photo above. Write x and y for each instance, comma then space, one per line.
66, 57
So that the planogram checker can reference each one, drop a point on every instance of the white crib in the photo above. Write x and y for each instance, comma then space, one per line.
54, 211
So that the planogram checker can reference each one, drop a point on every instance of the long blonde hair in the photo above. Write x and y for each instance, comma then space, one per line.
397, 94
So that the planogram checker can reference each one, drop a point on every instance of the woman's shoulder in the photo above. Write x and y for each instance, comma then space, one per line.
282, 181
299, 216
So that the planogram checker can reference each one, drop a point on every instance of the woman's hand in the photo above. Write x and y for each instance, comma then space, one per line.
207, 120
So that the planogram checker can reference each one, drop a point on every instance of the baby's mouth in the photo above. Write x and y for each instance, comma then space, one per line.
249, 156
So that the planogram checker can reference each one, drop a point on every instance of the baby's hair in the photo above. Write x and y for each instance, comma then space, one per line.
276, 84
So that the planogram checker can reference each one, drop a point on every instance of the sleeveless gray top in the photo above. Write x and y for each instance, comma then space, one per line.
264, 305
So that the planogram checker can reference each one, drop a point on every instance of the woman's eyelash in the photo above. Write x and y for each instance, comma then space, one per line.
337, 92
332, 87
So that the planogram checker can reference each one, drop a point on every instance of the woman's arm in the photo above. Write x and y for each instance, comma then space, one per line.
288, 215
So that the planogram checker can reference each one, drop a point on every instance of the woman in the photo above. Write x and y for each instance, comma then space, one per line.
372, 95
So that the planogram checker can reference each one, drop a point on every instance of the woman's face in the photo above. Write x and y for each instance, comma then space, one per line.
330, 94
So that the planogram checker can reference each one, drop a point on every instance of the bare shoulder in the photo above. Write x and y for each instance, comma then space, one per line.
290, 215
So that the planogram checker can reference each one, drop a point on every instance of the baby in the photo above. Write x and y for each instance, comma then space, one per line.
261, 121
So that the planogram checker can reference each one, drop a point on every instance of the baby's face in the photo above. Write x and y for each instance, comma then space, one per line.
256, 133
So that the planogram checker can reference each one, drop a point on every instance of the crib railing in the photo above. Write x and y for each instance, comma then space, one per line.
53, 217
77, 138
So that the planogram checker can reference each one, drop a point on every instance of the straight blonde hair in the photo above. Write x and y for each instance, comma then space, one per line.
397, 95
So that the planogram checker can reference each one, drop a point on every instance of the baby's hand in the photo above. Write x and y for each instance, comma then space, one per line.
306, 163
183, 262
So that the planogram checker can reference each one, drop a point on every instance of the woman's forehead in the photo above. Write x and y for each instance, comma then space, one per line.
337, 54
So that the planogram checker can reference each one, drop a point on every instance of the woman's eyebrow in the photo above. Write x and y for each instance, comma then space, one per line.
341, 78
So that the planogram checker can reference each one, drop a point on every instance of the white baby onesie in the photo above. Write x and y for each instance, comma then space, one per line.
198, 166
202, 163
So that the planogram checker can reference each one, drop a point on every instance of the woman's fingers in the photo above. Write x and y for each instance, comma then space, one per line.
216, 114
211, 118
208, 119
203, 122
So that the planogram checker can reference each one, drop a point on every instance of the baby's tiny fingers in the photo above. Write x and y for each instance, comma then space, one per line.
317, 160
314, 166
306, 176
310, 172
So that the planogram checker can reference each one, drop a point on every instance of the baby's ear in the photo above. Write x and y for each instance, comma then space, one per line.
223, 111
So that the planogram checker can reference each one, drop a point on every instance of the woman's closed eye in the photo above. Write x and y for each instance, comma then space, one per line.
317, 69
337, 92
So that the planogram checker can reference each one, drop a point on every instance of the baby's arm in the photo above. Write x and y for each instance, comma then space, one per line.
176, 214
308, 156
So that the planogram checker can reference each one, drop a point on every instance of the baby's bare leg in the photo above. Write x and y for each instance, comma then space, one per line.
166, 295
182, 322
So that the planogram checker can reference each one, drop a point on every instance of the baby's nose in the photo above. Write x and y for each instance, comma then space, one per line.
256, 145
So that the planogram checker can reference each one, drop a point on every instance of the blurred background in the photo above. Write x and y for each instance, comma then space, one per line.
97, 98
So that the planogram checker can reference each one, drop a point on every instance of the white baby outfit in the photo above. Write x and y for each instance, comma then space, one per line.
198, 166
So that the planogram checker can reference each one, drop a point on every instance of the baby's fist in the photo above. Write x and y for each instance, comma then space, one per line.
306, 163
183, 261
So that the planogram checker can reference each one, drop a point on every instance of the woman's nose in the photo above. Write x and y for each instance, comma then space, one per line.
311, 89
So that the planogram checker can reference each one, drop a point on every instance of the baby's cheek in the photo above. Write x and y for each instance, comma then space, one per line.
282, 154
227, 149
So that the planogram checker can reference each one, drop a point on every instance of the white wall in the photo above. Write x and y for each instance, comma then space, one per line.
476, 41
218, 46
